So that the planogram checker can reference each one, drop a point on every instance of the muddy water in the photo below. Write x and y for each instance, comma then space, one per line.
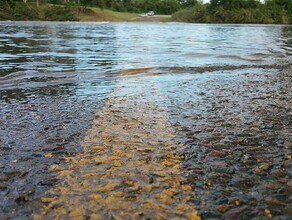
162, 120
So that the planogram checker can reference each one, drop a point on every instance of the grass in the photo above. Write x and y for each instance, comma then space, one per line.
119, 15
62, 13
96, 14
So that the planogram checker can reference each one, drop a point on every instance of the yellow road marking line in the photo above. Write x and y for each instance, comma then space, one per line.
128, 169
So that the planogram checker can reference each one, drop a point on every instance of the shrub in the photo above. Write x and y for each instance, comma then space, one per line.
196, 14
57, 13
24, 12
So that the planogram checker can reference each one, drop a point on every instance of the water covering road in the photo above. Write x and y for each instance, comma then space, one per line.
125, 113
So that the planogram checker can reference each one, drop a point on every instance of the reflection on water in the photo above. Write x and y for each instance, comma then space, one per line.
36, 54
287, 40
84, 61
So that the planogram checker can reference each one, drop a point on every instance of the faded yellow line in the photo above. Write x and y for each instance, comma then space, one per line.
128, 169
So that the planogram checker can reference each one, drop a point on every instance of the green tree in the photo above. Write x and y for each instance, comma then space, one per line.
168, 6
188, 3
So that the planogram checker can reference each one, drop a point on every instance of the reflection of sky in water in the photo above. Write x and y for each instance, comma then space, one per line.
107, 47
36, 54
195, 45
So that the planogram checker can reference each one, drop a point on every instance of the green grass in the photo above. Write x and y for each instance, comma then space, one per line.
121, 16
54, 12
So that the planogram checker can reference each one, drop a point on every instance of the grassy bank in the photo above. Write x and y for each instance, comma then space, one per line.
47, 12
97, 14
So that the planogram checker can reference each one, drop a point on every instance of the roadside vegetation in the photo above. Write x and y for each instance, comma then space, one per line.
216, 11
51, 11
237, 11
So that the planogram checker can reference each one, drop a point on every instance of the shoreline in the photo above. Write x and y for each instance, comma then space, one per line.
147, 21
154, 18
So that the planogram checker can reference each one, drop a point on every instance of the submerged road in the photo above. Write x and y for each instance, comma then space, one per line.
128, 169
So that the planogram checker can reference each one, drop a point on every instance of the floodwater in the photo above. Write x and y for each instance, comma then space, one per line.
37, 54
123, 113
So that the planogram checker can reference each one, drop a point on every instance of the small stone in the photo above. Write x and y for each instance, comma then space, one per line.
21, 199
273, 186
274, 202
268, 213
219, 147
287, 145
95, 217
241, 182
54, 148
260, 172
138, 215
95, 197
4, 216
3, 187
55, 168
11, 173
49, 182
234, 213
3, 177
278, 173
37, 155
5, 148
238, 141
29, 189
222, 208
237, 202
216, 153
264, 166
186, 187
209, 129
129, 182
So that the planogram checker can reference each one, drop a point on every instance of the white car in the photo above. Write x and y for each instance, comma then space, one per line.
150, 13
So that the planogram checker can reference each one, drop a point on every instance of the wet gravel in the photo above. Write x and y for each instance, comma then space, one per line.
238, 144
37, 129
232, 127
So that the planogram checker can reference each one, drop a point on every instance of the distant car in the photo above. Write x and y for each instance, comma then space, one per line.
150, 13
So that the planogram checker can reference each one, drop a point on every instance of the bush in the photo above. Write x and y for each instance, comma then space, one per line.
198, 14
219, 14
56, 13
25, 13
6, 12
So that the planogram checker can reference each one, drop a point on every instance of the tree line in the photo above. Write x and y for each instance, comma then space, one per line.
137, 6
159, 6
238, 11
65, 9
36, 10
216, 11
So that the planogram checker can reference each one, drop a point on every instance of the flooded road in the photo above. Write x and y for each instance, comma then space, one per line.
140, 120
59, 53
128, 169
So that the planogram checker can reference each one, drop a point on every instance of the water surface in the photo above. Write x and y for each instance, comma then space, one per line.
37, 54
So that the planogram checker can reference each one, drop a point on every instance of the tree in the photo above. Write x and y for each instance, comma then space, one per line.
168, 6
188, 3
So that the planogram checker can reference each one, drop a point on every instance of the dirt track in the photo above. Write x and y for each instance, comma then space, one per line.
155, 18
